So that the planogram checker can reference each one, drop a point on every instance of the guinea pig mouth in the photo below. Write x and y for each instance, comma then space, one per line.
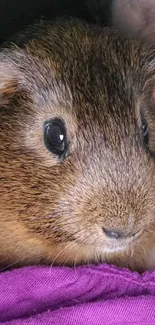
120, 244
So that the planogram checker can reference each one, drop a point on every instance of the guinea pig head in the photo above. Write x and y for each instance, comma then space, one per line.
77, 167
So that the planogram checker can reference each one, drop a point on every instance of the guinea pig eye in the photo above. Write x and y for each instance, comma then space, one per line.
145, 131
55, 136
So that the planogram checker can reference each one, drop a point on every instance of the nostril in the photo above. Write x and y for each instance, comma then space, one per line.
112, 233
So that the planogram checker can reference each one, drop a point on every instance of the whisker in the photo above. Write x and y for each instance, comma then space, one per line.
130, 251
14, 263
66, 259
143, 249
68, 245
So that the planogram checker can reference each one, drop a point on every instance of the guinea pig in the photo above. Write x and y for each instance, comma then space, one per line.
77, 147
132, 17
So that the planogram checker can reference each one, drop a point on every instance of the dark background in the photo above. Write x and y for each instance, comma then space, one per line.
16, 14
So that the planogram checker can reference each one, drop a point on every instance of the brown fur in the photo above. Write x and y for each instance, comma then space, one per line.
53, 211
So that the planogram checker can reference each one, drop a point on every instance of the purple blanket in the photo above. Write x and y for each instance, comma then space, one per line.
93, 295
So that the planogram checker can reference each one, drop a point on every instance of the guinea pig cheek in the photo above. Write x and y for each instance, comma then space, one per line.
81, 222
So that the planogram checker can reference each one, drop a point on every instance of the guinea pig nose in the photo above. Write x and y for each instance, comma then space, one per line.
112, 233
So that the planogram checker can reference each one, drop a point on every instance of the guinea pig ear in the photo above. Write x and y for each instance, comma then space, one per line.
137, 18
9, 82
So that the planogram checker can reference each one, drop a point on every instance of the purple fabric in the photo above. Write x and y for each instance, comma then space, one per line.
93, 295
